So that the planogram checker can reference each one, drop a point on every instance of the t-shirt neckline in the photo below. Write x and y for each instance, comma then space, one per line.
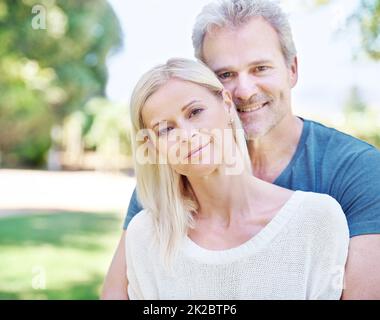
300, 147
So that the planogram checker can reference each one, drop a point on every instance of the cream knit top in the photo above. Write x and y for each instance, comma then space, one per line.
299, 254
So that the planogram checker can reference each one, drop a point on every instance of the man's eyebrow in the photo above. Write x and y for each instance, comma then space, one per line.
253, 63
187, 105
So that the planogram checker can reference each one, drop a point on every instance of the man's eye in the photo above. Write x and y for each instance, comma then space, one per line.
194, 112
261, 68
225, 75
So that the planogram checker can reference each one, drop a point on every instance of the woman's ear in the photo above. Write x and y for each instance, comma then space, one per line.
151, 146
149, 140
227, 99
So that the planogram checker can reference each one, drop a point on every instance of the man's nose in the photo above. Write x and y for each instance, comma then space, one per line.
246, 87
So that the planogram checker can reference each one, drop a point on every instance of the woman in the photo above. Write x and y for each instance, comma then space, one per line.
210, 229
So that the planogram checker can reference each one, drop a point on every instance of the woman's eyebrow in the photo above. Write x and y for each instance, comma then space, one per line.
187, 105
157, 123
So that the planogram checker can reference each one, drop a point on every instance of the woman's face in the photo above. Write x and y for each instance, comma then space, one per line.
190, 127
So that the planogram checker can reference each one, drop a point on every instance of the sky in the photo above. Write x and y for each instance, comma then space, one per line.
155, 30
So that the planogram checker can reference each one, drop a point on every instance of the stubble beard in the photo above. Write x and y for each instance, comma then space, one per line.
260, 130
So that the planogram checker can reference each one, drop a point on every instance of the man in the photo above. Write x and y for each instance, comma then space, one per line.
249, 45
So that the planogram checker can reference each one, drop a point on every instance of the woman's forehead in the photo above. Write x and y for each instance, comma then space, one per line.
173, 97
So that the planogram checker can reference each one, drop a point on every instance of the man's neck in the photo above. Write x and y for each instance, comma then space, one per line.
271, 153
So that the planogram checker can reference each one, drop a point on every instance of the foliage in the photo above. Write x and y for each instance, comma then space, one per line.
364, 125
361, 121
367, 16
107, 126
47, 73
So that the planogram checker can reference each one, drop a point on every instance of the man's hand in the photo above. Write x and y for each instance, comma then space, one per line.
362, 278
115, 284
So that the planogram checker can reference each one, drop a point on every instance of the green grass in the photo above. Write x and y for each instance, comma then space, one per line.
62, 255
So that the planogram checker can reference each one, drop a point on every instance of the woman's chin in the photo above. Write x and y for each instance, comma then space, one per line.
197, 170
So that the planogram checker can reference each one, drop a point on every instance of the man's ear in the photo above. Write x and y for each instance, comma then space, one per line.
293, 70
227, 99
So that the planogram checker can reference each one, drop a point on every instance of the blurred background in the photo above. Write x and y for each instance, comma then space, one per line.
67, 69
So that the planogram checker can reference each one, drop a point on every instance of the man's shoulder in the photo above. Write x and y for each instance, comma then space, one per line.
337, 143
320, 130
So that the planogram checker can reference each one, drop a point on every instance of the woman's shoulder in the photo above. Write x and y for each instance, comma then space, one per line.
141, 225
319, 200
323, 212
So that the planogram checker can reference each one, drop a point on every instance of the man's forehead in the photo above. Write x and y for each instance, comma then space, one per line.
254, 41
235, 58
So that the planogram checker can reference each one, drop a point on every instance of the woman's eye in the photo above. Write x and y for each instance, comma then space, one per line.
194, 112
164, 131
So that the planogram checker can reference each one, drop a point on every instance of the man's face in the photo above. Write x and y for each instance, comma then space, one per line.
249, 62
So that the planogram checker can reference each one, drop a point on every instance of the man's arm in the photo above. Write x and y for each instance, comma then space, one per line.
362, 278
115, 284
357, 184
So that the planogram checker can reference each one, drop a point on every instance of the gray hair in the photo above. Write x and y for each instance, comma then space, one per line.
237, 12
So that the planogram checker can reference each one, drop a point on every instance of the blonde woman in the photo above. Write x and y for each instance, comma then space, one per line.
209, 228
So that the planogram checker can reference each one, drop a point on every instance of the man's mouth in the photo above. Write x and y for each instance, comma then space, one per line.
252, 108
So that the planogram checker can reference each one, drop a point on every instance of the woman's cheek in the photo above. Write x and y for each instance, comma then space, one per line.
176, 154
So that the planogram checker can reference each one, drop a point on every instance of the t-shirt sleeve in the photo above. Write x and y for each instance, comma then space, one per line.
133, 208
359, 193
330, 252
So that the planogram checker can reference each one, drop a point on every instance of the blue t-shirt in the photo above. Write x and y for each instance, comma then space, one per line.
331, 162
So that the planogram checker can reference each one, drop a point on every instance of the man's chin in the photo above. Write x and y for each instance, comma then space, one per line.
256, 132
260, 127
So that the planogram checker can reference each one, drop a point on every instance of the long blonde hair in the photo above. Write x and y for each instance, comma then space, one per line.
163, 192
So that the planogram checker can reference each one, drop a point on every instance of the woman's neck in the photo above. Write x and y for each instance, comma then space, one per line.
223, 198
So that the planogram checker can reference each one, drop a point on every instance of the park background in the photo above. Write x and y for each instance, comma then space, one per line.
67, 69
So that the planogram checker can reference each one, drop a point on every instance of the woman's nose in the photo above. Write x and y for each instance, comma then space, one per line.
187, 133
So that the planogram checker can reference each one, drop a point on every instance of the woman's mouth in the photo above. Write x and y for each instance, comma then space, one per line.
196, 151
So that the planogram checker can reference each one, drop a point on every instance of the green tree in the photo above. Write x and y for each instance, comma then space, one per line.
361, 120
52, 61
367, 16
